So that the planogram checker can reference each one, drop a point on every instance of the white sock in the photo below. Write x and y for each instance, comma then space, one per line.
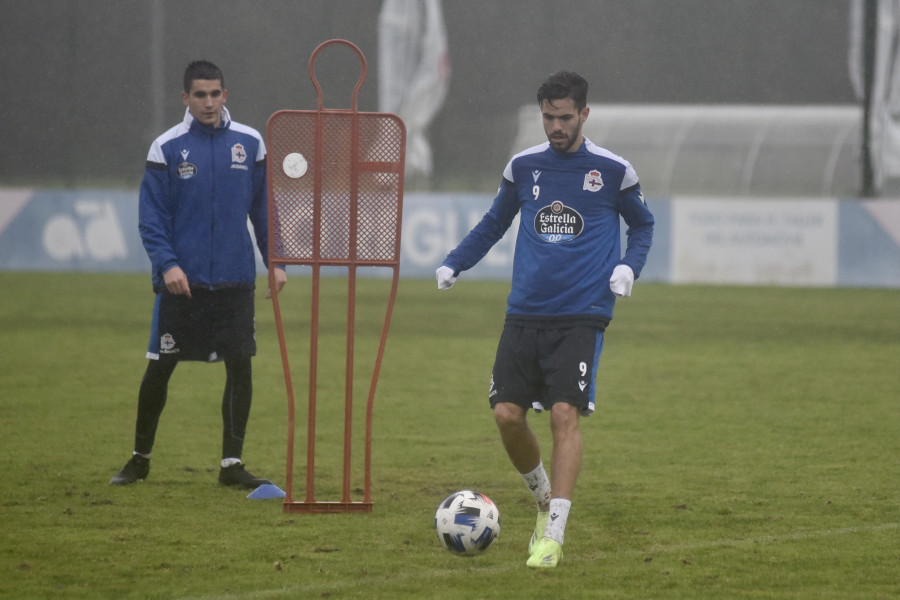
136, 453
556, 524
227, 462
539, 484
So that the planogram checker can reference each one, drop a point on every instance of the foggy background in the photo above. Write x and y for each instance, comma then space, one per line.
85, 86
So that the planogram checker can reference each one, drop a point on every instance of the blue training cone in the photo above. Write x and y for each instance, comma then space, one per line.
267, 491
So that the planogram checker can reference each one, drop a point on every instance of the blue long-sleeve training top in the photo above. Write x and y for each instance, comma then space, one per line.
568, 239
200, 184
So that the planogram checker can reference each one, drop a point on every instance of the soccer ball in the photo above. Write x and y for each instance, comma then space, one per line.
467, 523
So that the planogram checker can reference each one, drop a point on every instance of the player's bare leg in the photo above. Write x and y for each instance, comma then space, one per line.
518, 439
524, 451
566, 462
567, 446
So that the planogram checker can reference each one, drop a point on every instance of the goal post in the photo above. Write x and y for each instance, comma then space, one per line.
335, 194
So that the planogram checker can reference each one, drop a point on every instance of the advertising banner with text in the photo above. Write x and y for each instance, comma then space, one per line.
734, 241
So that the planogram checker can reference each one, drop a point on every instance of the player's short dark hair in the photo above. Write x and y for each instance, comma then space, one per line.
202, 69
564, 84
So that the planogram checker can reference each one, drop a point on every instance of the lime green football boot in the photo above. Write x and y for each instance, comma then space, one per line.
547, 554
538, 533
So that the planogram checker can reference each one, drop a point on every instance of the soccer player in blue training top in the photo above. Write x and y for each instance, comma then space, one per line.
203, 178
568, 270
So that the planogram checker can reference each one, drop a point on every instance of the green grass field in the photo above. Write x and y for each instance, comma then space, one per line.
746, 445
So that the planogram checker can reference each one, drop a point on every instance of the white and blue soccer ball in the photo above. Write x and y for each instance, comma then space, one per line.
467, 523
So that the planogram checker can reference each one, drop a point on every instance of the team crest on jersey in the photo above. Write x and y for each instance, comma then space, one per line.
558, 223
186, 170
593, 181
238, 154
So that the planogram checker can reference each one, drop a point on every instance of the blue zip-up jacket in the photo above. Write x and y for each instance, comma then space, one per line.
200, 184
568, 238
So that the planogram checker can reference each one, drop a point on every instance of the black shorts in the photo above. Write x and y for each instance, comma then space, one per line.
208, 326
537, 367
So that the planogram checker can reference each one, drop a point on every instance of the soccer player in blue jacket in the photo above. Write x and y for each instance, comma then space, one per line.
203, 179
568, 270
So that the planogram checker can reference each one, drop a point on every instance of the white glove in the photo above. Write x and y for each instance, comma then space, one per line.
445, 277
621, 281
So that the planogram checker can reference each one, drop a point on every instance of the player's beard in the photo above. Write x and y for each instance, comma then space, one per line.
563, 143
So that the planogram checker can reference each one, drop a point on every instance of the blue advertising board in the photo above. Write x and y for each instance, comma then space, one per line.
742, 241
